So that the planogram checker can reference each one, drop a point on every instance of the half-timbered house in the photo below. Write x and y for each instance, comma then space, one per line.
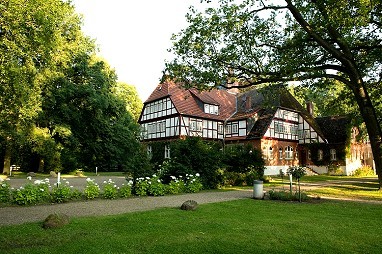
273, 121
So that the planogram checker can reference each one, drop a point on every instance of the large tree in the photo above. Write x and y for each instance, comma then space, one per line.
37, 38
256, 42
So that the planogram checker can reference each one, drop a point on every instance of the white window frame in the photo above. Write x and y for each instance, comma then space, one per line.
333, 154
289, 153
320, 155
280, 153
167, 152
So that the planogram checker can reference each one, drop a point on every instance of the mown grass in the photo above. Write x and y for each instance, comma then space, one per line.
241, 226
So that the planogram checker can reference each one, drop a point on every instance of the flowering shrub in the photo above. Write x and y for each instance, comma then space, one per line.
41, 191
92, 189
62, 192
32, 193
141, 186
156, 187
125, 190
193, 183
5, 191
176, 186
110, 190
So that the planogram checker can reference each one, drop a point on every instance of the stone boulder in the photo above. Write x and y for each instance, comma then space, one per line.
189, 205
53, 174
56, 221
31, 174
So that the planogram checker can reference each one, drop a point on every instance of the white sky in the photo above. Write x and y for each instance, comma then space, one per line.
134, 35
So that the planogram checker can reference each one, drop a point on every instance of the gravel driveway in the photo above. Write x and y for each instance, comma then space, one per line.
18, 214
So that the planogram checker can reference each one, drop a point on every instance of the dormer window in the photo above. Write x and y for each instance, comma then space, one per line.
211, 109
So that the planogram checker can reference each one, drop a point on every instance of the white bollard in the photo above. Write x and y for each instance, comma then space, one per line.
258, 192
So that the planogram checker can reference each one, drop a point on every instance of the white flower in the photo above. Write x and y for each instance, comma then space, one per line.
7, 179
180, 176
149, 182
71, 186
1, 180
41, 189
158, 180
3, 185
197, 174
115, 186
148, 178
89, 180
37, 182
29, 178
154, 175
131, 182
104, 182
191, 175
67, 182
173, 177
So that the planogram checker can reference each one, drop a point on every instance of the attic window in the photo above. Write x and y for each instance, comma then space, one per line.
211, 109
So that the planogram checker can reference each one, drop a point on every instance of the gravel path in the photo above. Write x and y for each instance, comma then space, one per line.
18, 215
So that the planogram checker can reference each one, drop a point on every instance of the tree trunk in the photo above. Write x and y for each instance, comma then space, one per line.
373, 128
7, 161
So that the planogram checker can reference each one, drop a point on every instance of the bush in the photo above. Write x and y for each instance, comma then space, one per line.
5, 191
156, 187
32, 193
176, 186
141, 186
92, 189
364, 171
125, 190
287, 196
110, 190
61, 193
193, 183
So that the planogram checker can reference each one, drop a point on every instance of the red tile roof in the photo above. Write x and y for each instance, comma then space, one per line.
190, 102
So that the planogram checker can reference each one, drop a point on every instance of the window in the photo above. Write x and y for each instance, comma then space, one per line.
320, 155
288, 153
228, 129
309, 155
149, 152
211, 109
270, 153
280, 153
167, 151
220, 128
333, 154
235, 128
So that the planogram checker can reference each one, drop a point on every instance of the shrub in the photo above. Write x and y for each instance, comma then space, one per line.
92, 189
193, 183
141, 186
61, 193
110, 190
125, 190
176, 186
364, 171
287, 196
32, 193
156, 187
5, 191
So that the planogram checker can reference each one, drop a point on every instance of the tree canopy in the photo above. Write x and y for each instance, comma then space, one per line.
58, 106
252, 42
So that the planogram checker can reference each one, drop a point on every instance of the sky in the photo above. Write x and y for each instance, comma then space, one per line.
133, 35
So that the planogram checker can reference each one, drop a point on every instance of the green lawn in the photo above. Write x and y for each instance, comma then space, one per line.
242, 226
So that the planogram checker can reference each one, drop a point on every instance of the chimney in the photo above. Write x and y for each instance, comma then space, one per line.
310, 107
248, 103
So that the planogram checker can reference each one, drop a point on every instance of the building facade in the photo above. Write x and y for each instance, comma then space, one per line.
271, 120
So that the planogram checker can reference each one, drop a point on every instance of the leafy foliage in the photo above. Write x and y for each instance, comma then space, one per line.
246, 43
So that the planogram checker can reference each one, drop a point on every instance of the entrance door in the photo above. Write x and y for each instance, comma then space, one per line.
302, 158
